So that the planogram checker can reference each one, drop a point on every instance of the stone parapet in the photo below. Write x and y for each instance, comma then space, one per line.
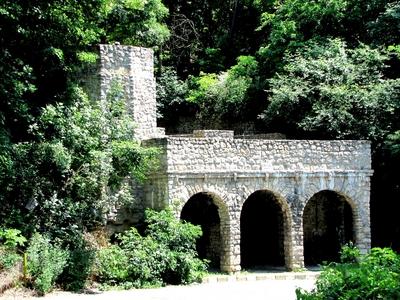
188, 154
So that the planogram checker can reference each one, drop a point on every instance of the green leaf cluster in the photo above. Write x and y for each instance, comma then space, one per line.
374, 276
165, 254
335, 91
46, 262
11, 240
64, 180
224, 95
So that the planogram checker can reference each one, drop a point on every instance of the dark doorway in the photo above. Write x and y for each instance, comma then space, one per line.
327, 226
201, 210
262, 232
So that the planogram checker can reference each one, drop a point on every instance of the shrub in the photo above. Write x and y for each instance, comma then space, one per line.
373, 276
164, 255
179, 239
59, 179
78, 269
46, 262
11, 237
112, 265
349, 254
8, 258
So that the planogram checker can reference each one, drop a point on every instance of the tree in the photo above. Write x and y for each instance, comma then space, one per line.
208, 36
74, 170
136, 22
44, 43
222, 98
55, 163
334, 92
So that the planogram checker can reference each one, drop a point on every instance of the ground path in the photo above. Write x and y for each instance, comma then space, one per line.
252, 286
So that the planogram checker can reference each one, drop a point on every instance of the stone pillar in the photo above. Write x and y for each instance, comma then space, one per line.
295, 258
362, 227
295, 240
232, 254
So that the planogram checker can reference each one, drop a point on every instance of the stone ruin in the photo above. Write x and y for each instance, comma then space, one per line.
261, 202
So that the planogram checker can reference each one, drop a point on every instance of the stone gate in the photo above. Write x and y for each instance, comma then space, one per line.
260, 202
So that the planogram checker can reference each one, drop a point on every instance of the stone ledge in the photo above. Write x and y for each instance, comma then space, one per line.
258, 276
265, 174
218, 134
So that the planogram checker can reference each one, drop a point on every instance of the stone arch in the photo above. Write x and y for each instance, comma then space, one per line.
339, 185
187, 189
328, 223
209, 211
268, 213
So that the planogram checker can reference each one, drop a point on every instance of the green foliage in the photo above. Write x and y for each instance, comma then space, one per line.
202, 85
171, 94
349, 254
136, 22
61, 176
112, 265
12, 238
179, 241
384, 30
78, 269
374, 276
336, 92
393, 143
8, 258
164, 255
225, 95
46, 262
294, 22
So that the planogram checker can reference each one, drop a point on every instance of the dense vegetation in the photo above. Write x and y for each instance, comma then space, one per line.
372, 276
164, 254
309, 69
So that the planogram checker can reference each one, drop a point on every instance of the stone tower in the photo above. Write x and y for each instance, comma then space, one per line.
132, 68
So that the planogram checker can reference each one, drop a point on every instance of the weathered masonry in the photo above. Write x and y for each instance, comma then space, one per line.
260, 202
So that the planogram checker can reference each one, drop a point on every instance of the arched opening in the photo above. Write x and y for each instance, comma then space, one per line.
262, 226
327, 226
202, 210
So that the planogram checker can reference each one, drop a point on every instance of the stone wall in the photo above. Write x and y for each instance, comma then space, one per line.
233, 169
215, 154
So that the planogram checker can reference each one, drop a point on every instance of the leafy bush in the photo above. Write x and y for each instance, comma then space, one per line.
58, 181
349, 254
46, 262
164, 255
226, 94
112, 265
8, 258
375, 276
78, 269
170, 91
11, 238
334, 91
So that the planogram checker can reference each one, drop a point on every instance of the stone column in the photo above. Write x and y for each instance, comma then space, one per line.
230, 258
362, 227
295, 257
